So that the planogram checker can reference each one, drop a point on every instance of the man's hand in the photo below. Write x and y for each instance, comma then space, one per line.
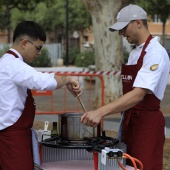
72, 84
91, 118
74, 87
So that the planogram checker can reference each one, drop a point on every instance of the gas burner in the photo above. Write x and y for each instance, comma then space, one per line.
99, 143
90, 144
66, 142
58, 142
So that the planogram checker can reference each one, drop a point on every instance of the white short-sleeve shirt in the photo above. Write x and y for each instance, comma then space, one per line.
153, 80
15, 78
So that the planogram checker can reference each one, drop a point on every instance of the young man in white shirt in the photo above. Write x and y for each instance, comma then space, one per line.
17, 106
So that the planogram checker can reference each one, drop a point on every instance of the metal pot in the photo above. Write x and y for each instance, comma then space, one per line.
72, 129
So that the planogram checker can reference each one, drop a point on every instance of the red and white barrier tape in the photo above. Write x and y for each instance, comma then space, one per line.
116, 73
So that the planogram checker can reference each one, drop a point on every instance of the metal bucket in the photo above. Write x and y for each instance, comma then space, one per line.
72, 129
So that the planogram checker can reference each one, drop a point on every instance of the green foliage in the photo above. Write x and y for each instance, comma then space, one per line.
22, 5
72, 53
4, 50
80, 59
53, 17
85, 59
4, 18
79, 17
43, 60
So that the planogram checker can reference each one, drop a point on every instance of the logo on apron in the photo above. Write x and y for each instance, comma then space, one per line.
126, 78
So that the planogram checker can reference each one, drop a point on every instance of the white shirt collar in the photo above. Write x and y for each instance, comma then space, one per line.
16, 52
140, 46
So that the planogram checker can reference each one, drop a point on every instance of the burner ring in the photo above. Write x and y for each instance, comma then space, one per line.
90, 144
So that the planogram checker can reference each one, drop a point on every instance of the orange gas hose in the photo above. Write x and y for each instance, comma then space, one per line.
139, 162
134, 160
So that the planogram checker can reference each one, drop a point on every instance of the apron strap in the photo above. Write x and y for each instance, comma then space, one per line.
11, 52
140, 60
15, 55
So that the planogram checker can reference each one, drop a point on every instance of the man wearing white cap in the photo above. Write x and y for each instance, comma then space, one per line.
144, 79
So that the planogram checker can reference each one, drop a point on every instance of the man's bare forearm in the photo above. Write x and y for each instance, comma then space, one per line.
125, 102
62, 80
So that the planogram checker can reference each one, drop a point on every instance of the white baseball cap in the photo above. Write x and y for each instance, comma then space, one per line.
127, 14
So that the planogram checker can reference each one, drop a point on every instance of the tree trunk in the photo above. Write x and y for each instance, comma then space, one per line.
81, 41
108, 46
163, 33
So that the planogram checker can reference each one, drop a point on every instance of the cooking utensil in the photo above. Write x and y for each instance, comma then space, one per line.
72, 129
45, 133
82, 105
46, 123
85, 112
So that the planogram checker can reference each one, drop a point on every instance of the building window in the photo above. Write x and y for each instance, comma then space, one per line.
156, 18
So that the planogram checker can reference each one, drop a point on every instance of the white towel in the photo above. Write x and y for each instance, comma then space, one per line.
119, 135
35, 148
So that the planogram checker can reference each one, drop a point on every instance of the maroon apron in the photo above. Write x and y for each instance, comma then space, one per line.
16, 140
143, 125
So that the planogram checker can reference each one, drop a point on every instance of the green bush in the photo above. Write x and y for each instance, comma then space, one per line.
4, 50
80, 59
43, 60
72, 53
85, 59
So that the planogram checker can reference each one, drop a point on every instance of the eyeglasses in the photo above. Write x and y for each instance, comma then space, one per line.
123, 29
38, 48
